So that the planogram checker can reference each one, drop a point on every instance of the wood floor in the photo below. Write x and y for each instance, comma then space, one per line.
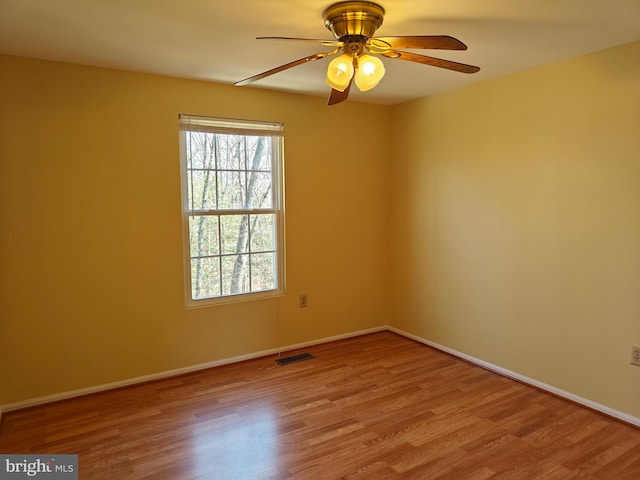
373, 407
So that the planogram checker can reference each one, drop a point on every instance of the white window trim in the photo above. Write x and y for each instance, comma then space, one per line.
242, 127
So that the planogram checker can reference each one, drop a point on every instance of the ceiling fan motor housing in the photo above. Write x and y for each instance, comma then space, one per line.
345, 19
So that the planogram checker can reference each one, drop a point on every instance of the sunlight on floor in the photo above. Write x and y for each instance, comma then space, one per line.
239, 445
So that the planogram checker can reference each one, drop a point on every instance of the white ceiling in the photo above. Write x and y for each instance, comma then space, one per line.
214, 40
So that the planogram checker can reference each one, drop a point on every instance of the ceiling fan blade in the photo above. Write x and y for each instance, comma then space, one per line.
286, 66
442, 42
326, 43
435, 62
337, 96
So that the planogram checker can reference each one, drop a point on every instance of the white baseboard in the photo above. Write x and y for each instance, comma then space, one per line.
524, 379
178, 371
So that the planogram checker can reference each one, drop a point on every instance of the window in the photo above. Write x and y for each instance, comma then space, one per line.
232, 193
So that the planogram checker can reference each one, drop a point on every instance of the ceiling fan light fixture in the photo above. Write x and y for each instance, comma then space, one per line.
364, 87
340, 72
369, 72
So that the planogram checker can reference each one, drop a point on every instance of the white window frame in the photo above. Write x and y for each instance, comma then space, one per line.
238, 127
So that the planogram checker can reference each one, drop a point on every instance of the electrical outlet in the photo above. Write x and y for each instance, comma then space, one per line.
635, 355
304, 302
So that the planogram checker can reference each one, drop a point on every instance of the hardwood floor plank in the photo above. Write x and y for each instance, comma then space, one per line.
625, 467
378, 406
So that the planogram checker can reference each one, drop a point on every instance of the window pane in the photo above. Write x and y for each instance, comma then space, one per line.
235, 233
231, 152
235, 274
205, 277
233, 189
263, 275
203, 233
199, 150
259, 153
262, 233
259, 191
202, 189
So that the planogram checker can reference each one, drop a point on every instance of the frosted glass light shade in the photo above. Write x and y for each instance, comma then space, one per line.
339, 72
369, 73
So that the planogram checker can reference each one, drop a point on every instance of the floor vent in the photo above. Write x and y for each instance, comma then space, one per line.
294, 358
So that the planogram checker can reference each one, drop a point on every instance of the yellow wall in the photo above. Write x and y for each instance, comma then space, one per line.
91, 281
516, 223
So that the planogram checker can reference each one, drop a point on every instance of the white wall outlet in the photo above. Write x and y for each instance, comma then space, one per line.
635, 355
304, 302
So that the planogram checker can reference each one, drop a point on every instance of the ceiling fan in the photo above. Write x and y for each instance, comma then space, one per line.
353, 24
